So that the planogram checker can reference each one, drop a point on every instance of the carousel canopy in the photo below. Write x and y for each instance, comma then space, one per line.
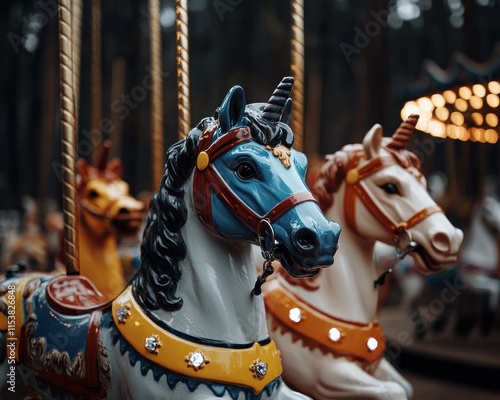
459, 102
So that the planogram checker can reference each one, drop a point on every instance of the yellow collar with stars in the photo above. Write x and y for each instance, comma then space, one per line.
254, 367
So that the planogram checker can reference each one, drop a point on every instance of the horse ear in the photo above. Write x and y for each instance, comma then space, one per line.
83, 168
232, 109
115, 166
373, 141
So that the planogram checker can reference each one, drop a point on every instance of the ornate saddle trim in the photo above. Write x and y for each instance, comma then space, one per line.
253, 367
74, 295
16, 306
363, 343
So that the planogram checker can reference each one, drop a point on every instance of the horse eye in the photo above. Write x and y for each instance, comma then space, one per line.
92, 194
390, 188
245, 171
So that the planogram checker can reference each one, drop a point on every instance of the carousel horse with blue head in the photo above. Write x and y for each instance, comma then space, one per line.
190, 324
326, 327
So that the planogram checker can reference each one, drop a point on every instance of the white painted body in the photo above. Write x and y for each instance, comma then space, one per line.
481, 251
346, 290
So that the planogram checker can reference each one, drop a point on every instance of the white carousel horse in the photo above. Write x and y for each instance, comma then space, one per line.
325, 327
189, 326
479, 265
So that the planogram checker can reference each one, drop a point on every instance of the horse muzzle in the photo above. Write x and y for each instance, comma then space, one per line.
312, 247
127, 217
441, 248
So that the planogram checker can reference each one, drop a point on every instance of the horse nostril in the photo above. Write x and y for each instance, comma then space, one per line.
306, 241
440, 241
123, 210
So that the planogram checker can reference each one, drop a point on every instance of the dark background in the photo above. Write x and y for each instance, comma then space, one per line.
362, 61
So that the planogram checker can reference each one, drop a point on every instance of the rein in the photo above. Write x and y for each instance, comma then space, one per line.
398, 230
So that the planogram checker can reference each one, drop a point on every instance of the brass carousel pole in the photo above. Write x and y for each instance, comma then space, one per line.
76, 31
96, 91
183, 105
68, 138
297, 66
157, 91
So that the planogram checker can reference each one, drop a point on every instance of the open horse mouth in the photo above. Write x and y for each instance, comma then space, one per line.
127, 224
296, 267
423, 258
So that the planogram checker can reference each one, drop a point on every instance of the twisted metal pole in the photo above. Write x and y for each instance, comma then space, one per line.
183, 99
96, 81
156, 91
76, 34
68, 139
297, 67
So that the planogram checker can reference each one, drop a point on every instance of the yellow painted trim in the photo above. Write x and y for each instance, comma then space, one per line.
226, 366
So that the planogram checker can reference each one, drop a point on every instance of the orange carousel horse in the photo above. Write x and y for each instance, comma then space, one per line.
107, 212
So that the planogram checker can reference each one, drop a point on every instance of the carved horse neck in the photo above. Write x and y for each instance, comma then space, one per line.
213, 272
99, 259
351, 277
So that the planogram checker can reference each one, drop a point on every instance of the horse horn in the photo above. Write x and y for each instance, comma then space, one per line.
103, 159
274, 107
400, 138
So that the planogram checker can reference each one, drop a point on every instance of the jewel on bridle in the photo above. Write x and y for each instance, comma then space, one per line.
202, 161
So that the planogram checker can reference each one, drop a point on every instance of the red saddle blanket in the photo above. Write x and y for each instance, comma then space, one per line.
74, 294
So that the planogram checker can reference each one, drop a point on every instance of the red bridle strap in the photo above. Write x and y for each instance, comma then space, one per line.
354, 188
206, 178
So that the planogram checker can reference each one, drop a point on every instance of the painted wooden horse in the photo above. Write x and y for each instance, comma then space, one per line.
479, 265
189, 325
325, 327
106, 212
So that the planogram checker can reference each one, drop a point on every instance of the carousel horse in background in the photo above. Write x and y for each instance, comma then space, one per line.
30, 245
417, 289
325, 327
189, 325
106, 212
479, 265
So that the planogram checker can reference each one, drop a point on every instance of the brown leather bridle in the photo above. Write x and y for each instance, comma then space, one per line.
354, 188
206, 178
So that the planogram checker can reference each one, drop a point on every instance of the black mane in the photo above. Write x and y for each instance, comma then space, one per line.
266, 132
155, 283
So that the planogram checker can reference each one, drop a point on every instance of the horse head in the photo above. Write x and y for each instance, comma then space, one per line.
247, 181
106, 206
385, 197
247, 172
